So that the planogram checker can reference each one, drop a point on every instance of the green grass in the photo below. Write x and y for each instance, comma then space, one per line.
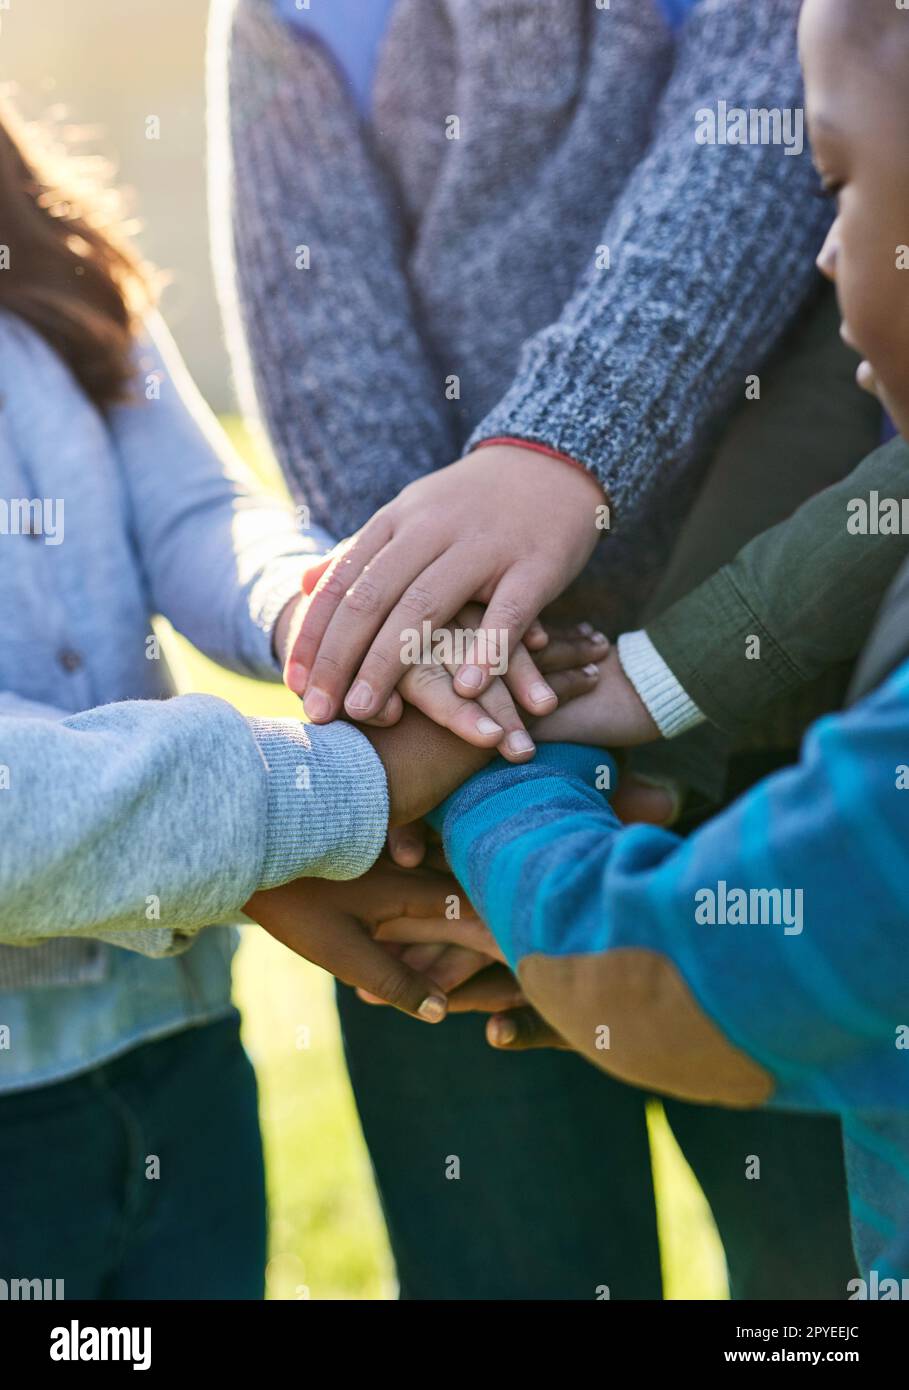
327, 1238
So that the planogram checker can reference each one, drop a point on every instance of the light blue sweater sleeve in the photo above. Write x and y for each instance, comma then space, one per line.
221, 557
140, 822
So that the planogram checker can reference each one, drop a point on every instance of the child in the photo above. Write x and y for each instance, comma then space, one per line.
763, 960
130, 821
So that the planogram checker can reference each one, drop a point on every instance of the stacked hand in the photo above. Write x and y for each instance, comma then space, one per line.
332, 925
506, 527
427, 562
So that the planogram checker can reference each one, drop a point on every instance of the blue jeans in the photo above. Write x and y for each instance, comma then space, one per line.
77, 1163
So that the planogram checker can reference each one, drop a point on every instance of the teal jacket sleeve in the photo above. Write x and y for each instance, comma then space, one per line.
764, 957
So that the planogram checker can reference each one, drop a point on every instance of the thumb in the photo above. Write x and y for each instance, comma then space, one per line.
519, 1030
647, 800
407, 844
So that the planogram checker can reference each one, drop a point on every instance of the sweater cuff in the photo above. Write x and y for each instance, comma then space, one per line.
327, 814
594, 767
513, 441
670, 706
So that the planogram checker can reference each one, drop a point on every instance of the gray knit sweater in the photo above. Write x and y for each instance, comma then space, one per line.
456, 289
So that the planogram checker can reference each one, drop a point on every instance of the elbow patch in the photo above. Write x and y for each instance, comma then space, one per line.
630, 1011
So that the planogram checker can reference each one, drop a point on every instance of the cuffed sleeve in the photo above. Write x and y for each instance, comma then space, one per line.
796, 601
670, 706
327, 808
140, 822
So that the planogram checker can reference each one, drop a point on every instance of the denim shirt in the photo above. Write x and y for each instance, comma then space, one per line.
106, 520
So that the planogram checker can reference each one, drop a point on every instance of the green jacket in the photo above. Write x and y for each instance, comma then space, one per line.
796, 604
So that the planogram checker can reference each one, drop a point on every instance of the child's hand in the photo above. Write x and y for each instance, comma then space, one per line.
492, 720
568, 659
462, 957
611, 715
505, 526
332, 925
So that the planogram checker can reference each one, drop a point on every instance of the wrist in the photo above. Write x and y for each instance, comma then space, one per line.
664, 698
533, 452
423, 764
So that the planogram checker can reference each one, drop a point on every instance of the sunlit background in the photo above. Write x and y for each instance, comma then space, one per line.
110, 65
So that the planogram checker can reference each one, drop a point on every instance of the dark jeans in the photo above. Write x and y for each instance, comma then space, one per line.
78, 1204
555, 1196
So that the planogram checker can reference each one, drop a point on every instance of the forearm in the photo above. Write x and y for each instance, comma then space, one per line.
712, 252
614, 927
330, 425
142, 822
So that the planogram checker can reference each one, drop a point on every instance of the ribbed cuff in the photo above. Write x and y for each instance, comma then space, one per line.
327, 813
670, 706
512, 441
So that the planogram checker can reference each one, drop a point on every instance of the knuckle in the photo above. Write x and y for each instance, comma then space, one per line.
378, 664
364, 596
417, 601
395, 987
504, 713
326, 665
509, 612
333, 586
427, 679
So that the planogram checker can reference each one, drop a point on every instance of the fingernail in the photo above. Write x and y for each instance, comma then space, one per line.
585, 629
433, 1009
471, 676
317, 704
670, 789
297, 676
360, 697
600, 639
488, 726
520, 742
504, 1031
540, 693
591, 670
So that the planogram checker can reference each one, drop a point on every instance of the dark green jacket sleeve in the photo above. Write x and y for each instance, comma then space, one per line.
796, 601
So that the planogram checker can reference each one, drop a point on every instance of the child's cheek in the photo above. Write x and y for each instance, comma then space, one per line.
870, 288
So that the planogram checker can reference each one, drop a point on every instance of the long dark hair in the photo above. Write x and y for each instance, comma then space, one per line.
69, 270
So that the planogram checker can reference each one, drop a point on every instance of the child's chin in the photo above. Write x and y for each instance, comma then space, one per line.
867, 379
896, 407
